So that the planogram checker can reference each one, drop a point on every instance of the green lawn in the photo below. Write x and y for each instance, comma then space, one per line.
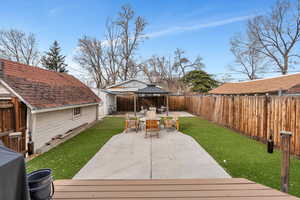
239, 155
69, 157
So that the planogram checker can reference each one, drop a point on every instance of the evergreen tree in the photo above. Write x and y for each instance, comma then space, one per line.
199, 81
53, 60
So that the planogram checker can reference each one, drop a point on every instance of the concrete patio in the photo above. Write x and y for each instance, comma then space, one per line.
131, 156
171, 113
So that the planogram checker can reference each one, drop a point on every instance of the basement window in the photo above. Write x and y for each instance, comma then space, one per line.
76, 112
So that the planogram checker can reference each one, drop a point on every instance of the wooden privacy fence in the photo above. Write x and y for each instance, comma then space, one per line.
177, 103
255, 116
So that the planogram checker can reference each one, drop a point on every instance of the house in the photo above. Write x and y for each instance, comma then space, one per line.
110, 94
50, 103
281, 85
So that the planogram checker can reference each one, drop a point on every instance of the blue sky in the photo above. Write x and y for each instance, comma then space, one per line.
200, 27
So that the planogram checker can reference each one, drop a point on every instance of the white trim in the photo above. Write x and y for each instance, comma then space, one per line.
16, 94
62, 108
5, 98
78, 115
28, 126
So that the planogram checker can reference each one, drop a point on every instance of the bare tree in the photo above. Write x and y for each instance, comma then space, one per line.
278, 33
91, 57
159, 69
17, 46
112, 52
168, 71
113, 59
248, 60
130, 39
225, 78
182, 64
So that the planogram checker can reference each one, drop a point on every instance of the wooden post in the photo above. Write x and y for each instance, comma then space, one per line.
285, 146
134, 104
16, 103
167, 105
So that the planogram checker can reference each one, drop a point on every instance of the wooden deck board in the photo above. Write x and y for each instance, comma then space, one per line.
211, 189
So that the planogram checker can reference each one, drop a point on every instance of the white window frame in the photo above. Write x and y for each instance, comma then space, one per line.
75, 116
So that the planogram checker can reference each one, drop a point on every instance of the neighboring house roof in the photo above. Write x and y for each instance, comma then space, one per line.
260, 86
151, 89
42, 88
97, 91
124, 82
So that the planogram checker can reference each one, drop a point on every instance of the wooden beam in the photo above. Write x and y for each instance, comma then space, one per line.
17, 110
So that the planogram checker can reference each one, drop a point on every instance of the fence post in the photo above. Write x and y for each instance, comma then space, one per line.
285, 146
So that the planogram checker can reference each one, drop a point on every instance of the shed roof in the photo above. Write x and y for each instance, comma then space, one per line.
42, 88
124, 82
151, 89
267, 85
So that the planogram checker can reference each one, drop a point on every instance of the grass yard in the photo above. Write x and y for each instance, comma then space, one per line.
69, 157
239, 155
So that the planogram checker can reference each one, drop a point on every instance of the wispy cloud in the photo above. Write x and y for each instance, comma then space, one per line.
177, 29
54, 11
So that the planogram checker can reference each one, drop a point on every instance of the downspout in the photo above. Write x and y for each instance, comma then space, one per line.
29, 124
97, 112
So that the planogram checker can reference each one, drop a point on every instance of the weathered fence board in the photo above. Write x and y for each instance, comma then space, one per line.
255, 116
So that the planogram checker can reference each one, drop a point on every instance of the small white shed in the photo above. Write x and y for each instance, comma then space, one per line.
108, 103
110, 93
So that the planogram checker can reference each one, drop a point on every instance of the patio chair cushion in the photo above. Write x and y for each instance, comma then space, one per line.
131, 123
152, 125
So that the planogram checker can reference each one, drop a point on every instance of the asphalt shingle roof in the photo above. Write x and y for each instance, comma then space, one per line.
43, 88
267, 85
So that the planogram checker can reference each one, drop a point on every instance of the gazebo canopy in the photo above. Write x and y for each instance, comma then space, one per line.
151, 89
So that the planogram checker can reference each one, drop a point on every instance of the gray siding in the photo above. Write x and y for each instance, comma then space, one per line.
49, 124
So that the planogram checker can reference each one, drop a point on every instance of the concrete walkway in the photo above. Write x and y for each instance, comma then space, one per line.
131, 156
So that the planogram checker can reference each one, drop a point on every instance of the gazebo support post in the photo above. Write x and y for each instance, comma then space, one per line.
167, 96
134, 97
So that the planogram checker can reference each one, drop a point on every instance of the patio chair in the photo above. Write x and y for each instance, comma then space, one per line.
170, 122
131, 123
152, 126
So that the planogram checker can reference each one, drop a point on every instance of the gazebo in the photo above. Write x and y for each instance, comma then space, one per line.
151, 91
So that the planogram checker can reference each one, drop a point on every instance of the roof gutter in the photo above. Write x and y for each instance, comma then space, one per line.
15, 93
62, 108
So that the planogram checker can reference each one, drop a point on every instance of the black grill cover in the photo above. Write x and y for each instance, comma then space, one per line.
13, 181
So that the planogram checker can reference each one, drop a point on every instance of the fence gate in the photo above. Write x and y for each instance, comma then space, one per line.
13, 124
